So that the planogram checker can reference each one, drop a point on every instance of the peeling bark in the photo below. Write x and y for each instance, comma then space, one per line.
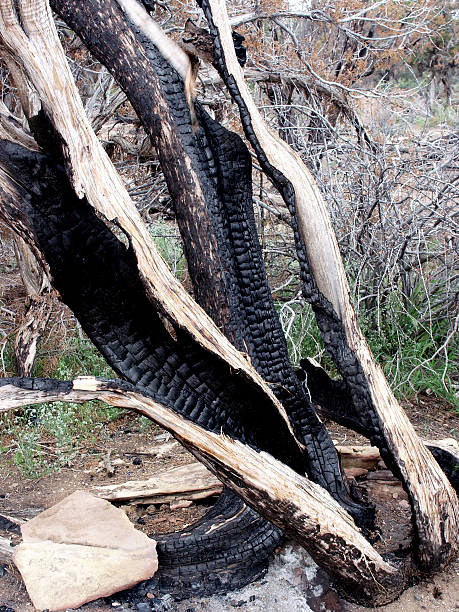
38, 309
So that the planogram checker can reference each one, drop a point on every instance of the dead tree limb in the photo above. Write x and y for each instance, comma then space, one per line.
325, 286
303, 509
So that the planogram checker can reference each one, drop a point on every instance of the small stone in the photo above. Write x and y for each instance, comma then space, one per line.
164, 437
2, 570
332, 602
150, 596
115, 604
417, 597
137, 461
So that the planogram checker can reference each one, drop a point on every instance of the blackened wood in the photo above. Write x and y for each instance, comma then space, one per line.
433, 501
218, 227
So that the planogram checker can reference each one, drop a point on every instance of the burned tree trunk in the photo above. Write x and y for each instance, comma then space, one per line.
186, 374
325, 287
211, 187
213, 204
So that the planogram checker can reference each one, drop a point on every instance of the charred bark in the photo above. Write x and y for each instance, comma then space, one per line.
325, 287
220, 213
334, 402
216, 223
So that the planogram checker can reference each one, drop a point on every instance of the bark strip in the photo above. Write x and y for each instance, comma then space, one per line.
38, 309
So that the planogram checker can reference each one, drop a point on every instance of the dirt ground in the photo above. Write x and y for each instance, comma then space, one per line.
137, 453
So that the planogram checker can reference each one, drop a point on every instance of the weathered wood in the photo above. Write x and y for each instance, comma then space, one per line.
6, 550
303, 509
194, 481
144, 350
355, 456
191, 481
433, 500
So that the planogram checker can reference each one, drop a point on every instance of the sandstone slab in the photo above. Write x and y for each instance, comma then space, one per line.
79, 550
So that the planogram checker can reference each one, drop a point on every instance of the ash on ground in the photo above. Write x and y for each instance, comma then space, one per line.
293, 583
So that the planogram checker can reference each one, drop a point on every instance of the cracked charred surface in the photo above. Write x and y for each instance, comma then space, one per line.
433, 501
221, 216
335, 403
189, 334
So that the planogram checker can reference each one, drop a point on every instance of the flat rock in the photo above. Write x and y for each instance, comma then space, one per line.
79, 550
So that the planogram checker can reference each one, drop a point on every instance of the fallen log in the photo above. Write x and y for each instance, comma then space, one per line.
365, 457
191, 481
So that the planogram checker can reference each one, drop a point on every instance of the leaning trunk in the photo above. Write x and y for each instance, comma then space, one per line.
325, 286
292, 502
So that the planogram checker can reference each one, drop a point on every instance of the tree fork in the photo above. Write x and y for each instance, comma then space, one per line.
223, 204
94, 246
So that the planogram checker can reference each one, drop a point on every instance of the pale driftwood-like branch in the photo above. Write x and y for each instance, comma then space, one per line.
95, 177
434, 502
239, 20
12, 129
190, 481
193, 481
294, 503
